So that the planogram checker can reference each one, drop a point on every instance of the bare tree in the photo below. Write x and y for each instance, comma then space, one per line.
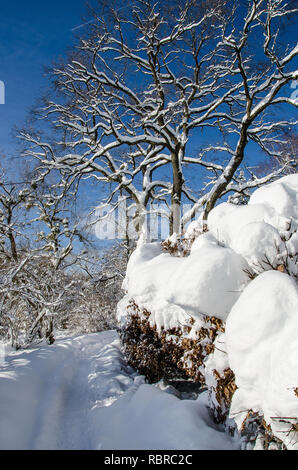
286, 152
142, 82
33, 284
99, 279
262, 74
147, 77
13, 198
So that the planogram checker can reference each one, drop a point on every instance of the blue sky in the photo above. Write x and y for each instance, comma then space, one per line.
32, 35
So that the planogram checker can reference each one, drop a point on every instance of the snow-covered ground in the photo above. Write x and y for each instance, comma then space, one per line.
80, 394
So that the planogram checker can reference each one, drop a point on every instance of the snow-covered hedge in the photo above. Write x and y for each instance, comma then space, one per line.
262, 345
243, 271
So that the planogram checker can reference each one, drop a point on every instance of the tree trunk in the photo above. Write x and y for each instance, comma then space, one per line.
13, 246
178, 180
228, 174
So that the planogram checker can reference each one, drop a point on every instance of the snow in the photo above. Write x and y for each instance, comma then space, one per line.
241, 271
260, 244
255, 237
226, 221
217, 361
281, 196
275, 204
47, 394
263, 351
264, 232
172, 288
152, 419
208, 281
80, 394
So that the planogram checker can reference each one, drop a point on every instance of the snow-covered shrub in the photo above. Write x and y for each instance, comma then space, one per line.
147, 350
181, 245
220, 379
262, 346
264, 232
171, 353
242, 272
172, 288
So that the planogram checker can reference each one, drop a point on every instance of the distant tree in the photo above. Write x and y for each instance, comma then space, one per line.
33, 282
286, 152
99, 280
12, 199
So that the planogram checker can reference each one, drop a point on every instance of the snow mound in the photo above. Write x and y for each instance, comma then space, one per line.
227, 221
206, 282
264, 232
275, 204
280, 196
263, 352
261, 245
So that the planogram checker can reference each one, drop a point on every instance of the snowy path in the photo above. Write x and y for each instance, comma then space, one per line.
79, 394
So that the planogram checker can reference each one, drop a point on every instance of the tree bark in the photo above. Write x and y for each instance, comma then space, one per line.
13, 246
228, 174
178, 180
